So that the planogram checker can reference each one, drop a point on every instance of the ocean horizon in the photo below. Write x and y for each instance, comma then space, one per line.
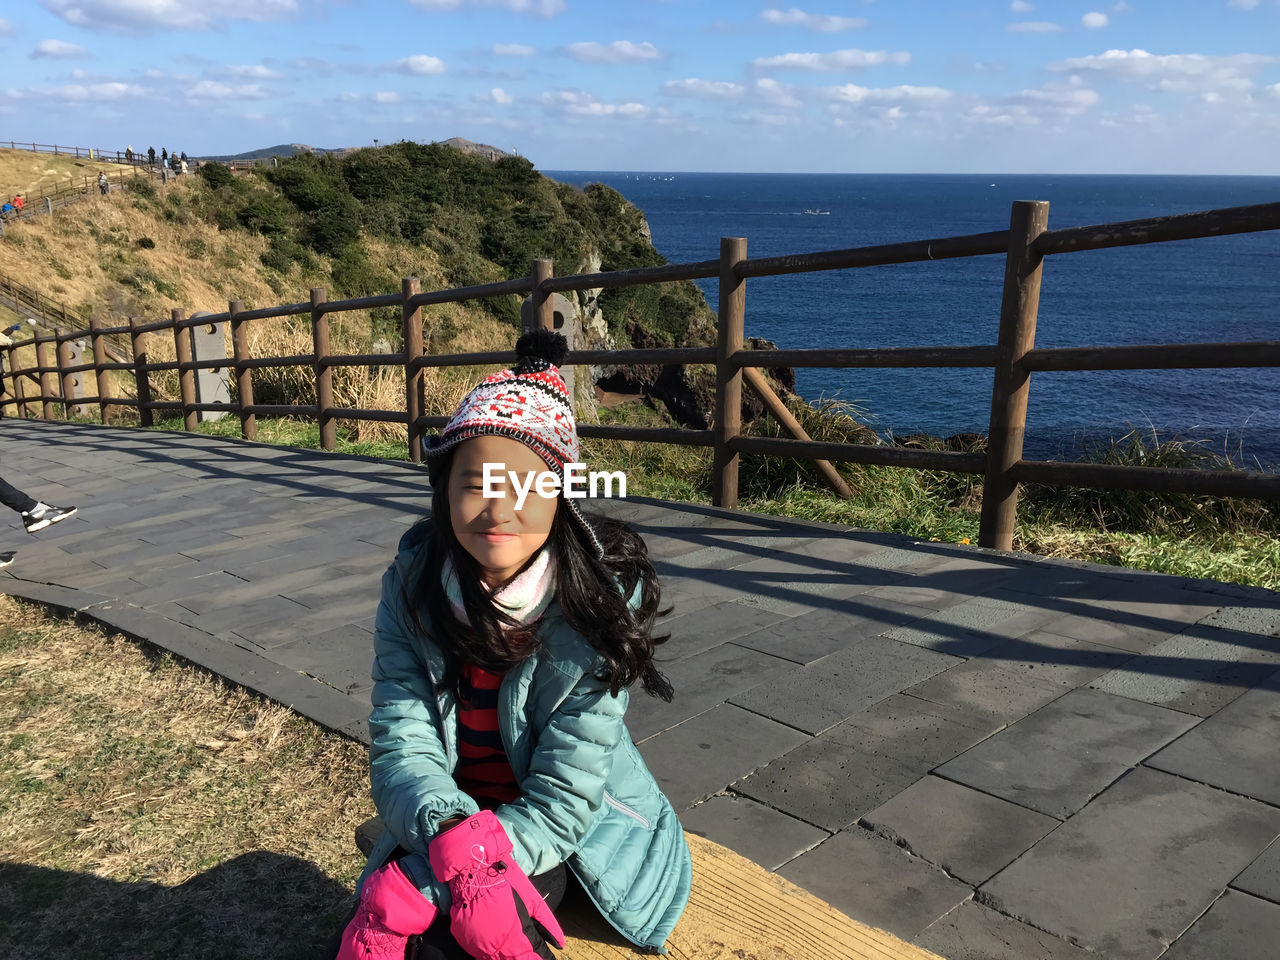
1218, 289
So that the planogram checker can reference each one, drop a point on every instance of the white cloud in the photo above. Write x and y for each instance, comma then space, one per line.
583, 104
6, 28
711, 89
386, 96
58, 50
513, 50
620, 51
213, 90
821, 23
1094, 21
1021, 6
498, 95
1274, 90
1243, 4
1071, 101
534, 8
1173, 73
832, 62
1033, 26
775, 94
420, 65
254, 71
111, 90
852, 93
134, 15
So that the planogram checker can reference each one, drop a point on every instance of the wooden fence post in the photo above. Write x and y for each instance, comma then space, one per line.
1012, 383
414, 379
66, 380
244, 376
47, 396
19, 393
324, 372
542, 314
732, 318
186, 376
146, 416
101, 377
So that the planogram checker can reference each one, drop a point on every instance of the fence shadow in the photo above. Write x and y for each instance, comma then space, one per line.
260, 904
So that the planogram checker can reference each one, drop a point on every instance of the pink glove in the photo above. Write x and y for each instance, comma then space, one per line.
497, 914
391, 910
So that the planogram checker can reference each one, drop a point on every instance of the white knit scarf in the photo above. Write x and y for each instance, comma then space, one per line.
524, 598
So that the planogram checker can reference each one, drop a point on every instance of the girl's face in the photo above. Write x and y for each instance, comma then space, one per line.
491, 529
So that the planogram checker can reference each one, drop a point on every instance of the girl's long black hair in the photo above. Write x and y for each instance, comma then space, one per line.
587, 589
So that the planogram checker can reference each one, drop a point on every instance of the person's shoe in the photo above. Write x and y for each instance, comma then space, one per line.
6, 558
44, 514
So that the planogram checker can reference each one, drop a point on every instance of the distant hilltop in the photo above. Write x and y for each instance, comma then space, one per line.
293, 149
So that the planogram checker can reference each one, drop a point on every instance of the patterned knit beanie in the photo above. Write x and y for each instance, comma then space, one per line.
529, 403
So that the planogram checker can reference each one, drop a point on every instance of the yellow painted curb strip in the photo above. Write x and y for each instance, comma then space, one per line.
740, 911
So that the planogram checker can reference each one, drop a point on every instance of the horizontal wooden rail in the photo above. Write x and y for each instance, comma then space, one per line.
263, 313
465, 359
374, 416
883, 357
365, 360
884, 456
361, 303
1185, 226
638, 357
1168, 356
613, 279
913, 251
679, 437
518, 286
1222, 483
255, 363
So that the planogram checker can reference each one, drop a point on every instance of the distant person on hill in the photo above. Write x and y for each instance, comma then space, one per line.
164, 154
151, 156
104, 185
505, 642
36, 514
128, 154
184, 156
7, 211
18, 203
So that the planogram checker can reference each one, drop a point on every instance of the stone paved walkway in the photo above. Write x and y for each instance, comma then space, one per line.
991, 756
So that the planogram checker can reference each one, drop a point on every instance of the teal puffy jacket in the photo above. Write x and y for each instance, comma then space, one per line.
587, 799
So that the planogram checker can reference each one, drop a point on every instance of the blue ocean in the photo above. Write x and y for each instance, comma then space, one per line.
1209, 290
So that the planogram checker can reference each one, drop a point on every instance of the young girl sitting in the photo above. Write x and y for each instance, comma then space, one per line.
504, 645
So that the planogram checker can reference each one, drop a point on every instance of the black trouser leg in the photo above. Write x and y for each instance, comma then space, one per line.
15, 499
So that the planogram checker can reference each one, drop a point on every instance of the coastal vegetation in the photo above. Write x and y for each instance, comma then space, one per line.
356, 224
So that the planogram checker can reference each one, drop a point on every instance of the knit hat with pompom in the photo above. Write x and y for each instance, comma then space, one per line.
529, 403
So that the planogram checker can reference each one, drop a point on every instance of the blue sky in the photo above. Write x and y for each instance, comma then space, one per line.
1028, 86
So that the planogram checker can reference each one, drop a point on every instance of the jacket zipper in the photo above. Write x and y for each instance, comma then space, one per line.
623, 808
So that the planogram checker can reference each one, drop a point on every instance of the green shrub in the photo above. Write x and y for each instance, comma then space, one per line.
216, 175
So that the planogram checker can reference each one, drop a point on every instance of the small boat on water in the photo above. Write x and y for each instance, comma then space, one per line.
816, 212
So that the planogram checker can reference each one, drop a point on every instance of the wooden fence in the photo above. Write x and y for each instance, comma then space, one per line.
1012, 359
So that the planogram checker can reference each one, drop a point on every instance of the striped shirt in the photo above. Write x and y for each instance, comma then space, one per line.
483, 771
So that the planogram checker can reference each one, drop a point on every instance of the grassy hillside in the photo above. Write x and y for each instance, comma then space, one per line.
27, 173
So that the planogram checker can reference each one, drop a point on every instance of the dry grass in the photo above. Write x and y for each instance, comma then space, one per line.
25, 172
149, 810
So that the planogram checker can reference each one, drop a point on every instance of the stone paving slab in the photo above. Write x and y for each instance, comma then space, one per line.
1262, 877
876, 881
826, 691
1238, 926
970, 835
1066, 753
857, 765
1129, 873
1198, 671
817, 633
974, 932
1235, 749
696, 759
759, 833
